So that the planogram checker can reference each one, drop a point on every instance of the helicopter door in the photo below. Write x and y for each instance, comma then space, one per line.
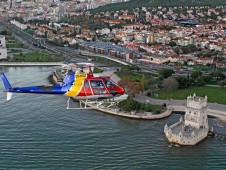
98, 87
87, 88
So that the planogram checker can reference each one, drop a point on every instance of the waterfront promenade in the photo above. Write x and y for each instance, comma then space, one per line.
19, 64
214, 109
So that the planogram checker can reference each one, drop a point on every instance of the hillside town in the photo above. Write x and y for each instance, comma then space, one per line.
146, 35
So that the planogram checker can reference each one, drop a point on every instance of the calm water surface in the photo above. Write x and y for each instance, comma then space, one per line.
37, 132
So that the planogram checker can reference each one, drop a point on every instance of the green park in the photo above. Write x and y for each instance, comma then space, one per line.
167, 86
214, 94
36, 57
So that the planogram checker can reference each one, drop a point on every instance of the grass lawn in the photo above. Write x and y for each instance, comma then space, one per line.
155, 109
97, 70
36, 57
132, 76
16, 50
214, 94
14, 45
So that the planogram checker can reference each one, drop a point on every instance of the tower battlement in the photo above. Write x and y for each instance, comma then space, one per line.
196, 102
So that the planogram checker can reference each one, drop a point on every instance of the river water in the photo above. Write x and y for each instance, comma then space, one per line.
37, 132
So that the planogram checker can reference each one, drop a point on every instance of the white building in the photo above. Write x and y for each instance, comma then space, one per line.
3, 53
2, 41
18, 24
194, 127
3, 50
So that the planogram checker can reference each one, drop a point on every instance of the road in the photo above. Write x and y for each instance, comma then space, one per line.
71, 55
145, 99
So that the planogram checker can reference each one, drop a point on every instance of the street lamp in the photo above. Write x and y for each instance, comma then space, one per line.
65, 45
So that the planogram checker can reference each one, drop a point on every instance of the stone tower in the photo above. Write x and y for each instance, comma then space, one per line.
196, 112
194, 128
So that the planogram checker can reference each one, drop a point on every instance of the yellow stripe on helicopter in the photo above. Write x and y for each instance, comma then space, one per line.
77, 85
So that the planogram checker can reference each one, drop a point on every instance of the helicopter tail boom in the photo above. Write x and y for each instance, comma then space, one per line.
55, 89
7, 87
5, 82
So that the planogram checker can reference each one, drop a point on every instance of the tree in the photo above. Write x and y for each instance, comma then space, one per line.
166, 72
54, 31
129, 104
200, 81
134, 88
134, 68
183, 82
170, 84
196, 74
213, 16
46, 34
172, 44
222, 83
177, 50
142, 83
74, 33
184, 49
191, 48
131, 87
218, 75
4, 32
207, 79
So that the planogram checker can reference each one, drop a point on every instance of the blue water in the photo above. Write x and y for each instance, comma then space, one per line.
37, 132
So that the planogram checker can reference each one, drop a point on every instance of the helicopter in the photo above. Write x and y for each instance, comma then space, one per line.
77, 85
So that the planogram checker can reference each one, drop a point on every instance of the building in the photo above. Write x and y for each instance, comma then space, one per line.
18, 24
194, 127
2, 41
205, 60
3, 50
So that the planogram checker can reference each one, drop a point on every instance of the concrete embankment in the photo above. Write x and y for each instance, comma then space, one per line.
133, 115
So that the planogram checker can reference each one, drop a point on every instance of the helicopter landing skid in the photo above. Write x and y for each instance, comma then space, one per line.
89, 104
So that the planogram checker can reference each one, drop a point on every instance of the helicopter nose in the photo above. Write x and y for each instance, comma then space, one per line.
121, 91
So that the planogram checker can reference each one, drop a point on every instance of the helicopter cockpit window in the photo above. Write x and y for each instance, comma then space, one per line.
97, 84
109, 83
98, 87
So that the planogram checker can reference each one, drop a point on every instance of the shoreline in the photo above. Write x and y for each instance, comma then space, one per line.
171, 107
132, 115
